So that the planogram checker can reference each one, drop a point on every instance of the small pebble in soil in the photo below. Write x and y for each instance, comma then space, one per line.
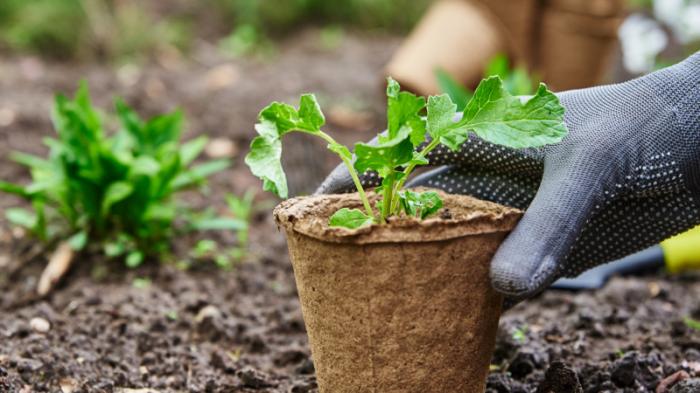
560, 378
623, 371
252, 378
40, 325
303, 387
207, 312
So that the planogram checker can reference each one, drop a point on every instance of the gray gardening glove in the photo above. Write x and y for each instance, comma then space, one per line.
626, 177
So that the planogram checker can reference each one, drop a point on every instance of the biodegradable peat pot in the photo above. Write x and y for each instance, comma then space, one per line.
402, 307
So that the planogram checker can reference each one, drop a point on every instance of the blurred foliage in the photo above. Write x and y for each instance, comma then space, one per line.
115, 192
111, 29
276, 17
126, 29
517, 80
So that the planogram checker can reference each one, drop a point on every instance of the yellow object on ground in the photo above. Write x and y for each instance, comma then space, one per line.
682, 252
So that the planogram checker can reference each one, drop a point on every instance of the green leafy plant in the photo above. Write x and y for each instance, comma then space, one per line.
492, 113
114, 190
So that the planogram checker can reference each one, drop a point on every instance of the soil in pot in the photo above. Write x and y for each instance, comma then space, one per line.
402, 307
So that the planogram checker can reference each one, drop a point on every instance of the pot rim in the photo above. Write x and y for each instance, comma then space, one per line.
308, 215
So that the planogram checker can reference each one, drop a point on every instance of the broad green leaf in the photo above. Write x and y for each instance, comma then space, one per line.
403, 110
191, 149
441, 114
278, 118
384, 157
21, 217
310, 112
458, 93
115, 193
264, 161
349, 218
78, 241
501, 118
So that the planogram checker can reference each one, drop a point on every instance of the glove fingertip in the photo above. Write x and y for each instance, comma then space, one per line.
520, 279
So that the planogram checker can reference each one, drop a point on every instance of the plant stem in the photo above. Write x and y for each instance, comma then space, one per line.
395, 200
387, 200
353, 174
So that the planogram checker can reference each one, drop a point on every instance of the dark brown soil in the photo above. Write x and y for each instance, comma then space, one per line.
242, 330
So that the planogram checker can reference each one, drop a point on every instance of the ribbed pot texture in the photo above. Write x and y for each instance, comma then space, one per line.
402, 307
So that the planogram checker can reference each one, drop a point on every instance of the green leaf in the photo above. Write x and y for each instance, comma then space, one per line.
199, 173
384, 157
420, 204
31, 161
692, 323
501, 118
403, 111
274, 121
21, 217
160, 212
134, 259
114, 249
130, 120
208, 224
310, 112
115, 193
12, 188
78, 241
191, 149
278, 118
349, 218
441, 114
264, 160
418, 159
145, 165
454, 89
163, 129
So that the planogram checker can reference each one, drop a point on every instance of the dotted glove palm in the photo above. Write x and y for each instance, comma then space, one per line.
626, 177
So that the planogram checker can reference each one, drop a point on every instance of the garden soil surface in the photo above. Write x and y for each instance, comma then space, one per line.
106, 329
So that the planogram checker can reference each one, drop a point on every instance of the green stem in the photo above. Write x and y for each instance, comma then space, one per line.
399, 185
387, 200
353, 174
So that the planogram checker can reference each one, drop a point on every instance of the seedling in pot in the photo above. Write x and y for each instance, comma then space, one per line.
414, 128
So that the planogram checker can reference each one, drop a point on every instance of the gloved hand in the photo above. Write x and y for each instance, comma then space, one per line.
626, 177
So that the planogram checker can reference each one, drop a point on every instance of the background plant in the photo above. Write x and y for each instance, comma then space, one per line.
492, 113
132, 29
517, 80
114, 191
104, 29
